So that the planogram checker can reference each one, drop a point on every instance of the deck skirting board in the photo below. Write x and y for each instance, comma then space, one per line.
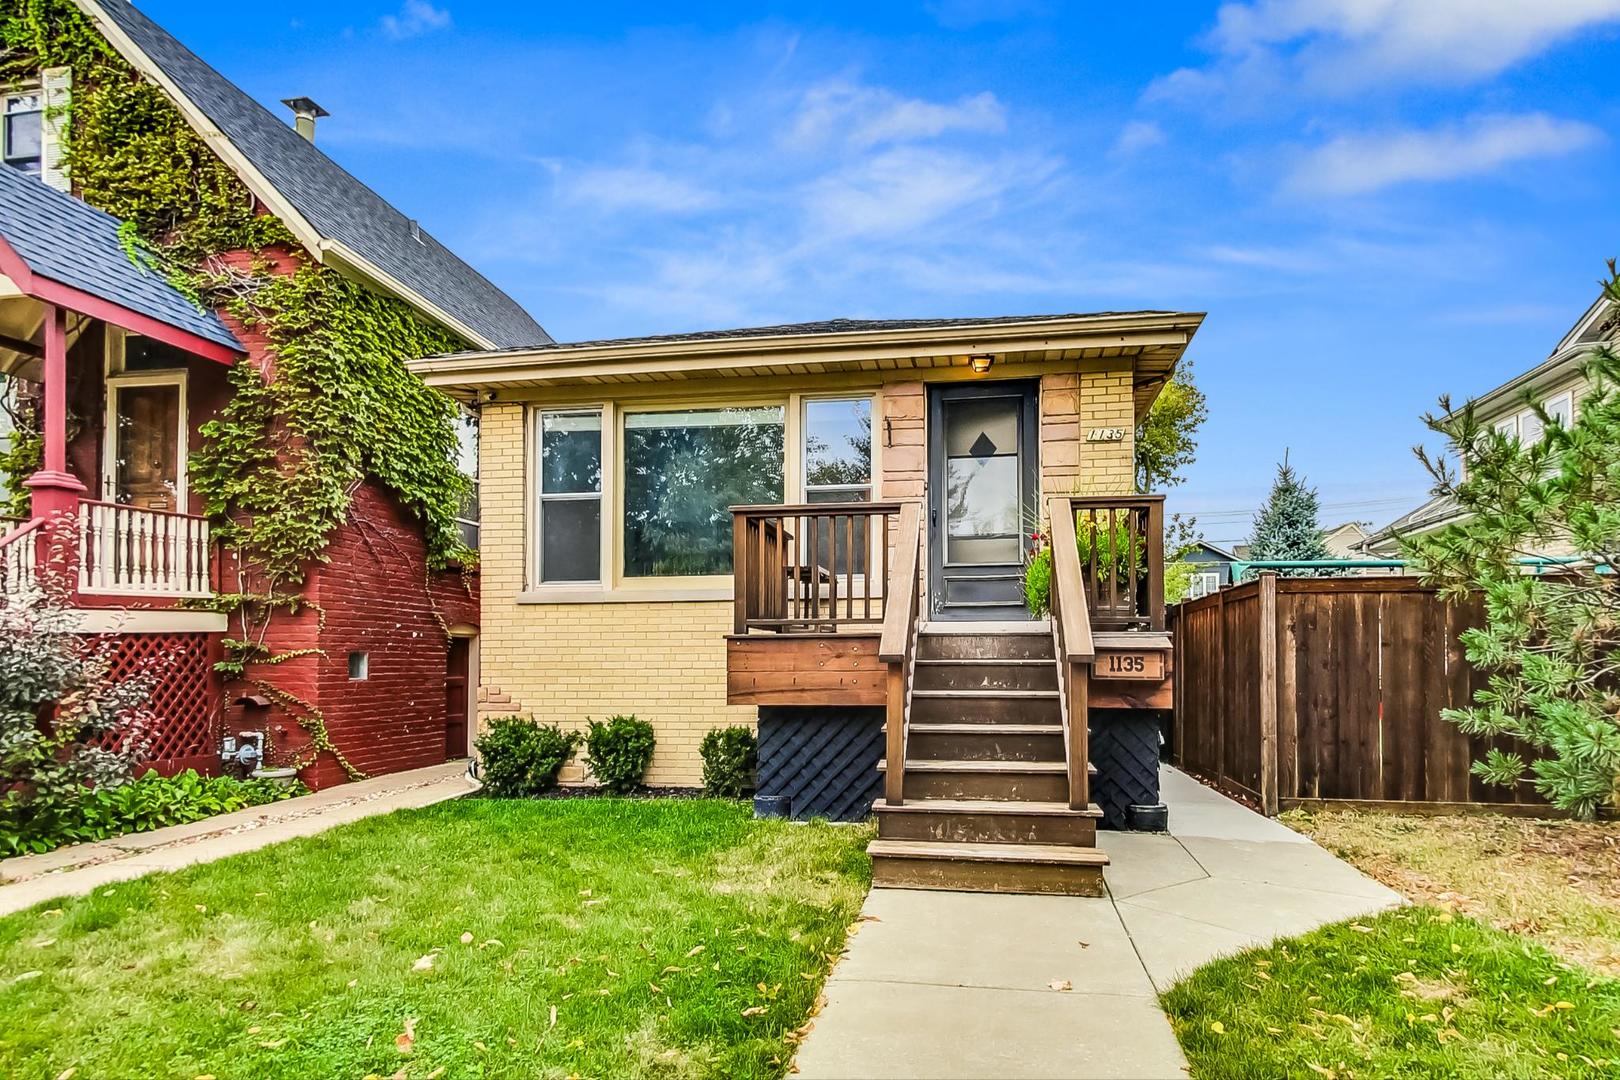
824, 759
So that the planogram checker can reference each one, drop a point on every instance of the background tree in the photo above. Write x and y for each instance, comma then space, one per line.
1288, 526
1166, 439
1551, 642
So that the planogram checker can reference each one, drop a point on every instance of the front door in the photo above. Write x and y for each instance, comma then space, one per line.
983, 484
146, 437
455, 698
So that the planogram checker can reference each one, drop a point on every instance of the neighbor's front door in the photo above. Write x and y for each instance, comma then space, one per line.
982, 488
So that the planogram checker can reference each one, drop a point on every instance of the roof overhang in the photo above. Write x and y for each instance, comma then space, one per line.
320, 248
1155, 342
20, 280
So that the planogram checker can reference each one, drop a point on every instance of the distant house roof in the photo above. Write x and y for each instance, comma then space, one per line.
337, 217
1431, 515
1220, 553
57, 238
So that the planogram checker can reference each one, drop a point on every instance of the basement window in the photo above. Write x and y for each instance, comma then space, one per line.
359, 666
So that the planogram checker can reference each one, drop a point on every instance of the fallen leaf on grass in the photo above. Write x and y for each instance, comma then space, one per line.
669, 968
754, 1010
405, 1041
1360, 929
655, 988
67, 1074
435, 1074
553, 1017
1217, 1027
423, 963
1329, 1073
467, 938
694, 950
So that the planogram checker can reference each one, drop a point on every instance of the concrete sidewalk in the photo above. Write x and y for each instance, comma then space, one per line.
76, 870
945, 985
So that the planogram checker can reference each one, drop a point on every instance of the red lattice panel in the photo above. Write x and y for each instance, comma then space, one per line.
185, 732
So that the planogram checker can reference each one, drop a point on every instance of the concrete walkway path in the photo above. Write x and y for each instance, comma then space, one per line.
76, 870
947, 985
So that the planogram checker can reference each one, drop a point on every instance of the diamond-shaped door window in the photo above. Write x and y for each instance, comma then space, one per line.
983, 446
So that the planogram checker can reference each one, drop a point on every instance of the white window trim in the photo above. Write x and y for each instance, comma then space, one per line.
562, 590
27, 89
1568, 398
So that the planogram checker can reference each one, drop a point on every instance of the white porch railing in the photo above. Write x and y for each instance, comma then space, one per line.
130, 551
19, 557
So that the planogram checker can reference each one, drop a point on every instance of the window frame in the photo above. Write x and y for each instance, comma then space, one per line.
703, 583
1568, 397
802, 489
6, 98
538, 497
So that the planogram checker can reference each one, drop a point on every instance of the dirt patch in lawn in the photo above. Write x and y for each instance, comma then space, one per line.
1555, 881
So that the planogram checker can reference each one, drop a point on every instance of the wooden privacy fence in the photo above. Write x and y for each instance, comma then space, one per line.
1305, 691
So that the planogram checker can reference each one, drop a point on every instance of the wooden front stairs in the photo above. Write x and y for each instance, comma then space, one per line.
986, 778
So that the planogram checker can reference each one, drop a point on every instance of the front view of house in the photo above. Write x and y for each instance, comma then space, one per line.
823, 528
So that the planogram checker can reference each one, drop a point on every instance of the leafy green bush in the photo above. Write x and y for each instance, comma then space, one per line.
730, 755
151, 802
1038, 583
618, 750
522, 758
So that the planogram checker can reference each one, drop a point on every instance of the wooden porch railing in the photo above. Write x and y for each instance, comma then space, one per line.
812, 567
19, 556
127, 550
898, 646
1071, 633
1121, 549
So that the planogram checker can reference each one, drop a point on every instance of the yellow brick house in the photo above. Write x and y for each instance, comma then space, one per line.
769, 524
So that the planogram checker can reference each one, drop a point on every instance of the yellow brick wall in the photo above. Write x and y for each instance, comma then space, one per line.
666, 661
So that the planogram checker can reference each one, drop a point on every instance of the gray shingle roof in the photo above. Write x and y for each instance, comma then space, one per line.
66, 241
825, 326
336, 205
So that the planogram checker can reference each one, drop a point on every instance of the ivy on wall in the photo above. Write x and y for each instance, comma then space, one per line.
335, 405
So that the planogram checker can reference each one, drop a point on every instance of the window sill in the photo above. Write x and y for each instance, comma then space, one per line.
585, 594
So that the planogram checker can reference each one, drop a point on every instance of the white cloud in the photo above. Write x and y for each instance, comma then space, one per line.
1137, 136
415, 18
1363, 163
908, 188
635, 188
1339, 47
863, 116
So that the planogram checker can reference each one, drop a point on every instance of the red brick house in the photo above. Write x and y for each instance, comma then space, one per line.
126, 370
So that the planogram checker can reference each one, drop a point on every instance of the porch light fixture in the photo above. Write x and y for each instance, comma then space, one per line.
980, 363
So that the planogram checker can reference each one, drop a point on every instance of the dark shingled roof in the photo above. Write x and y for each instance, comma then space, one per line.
62, 239
825, 326
339, 207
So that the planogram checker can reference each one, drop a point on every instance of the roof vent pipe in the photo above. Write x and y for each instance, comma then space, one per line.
306, 112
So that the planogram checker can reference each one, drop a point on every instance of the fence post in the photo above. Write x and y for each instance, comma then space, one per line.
1268, 693
1220, 688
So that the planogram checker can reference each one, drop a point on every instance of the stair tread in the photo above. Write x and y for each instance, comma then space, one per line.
1060, 854
944, 765
988, 660
976, 694
982, 806
919, 726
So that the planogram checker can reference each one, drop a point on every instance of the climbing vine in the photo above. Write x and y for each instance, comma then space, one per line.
333, 406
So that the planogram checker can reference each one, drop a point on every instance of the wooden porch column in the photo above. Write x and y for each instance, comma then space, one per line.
55, 490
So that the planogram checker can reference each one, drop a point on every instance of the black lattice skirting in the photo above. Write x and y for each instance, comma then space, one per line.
823, 759
1125, 749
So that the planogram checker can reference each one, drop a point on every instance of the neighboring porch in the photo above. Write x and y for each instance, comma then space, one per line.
111, 359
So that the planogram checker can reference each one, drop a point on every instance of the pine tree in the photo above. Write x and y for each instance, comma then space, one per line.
1287, 526
1551, 641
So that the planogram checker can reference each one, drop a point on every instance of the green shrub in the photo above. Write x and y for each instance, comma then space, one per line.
730, 755
151, 802
618, 751
522, 758
1038, 583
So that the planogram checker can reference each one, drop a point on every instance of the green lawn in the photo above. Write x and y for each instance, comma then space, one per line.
599, 938
1412, 993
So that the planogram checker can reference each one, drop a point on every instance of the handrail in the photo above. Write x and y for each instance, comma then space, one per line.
817, 567
1071, 635
897, 645
19, 557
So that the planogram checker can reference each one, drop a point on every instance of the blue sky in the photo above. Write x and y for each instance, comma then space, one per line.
1376, 201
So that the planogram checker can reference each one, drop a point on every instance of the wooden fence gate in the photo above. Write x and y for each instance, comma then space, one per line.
1309, 691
